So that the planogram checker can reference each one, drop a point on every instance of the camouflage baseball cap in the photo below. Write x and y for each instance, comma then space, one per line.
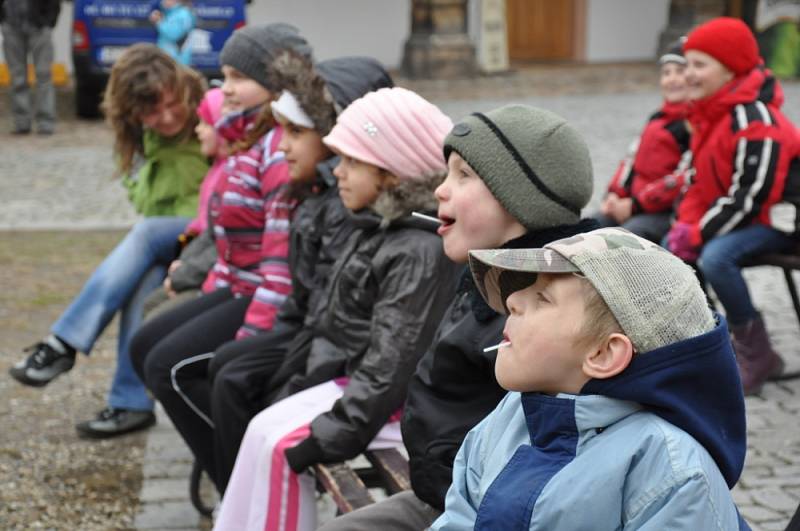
655, 297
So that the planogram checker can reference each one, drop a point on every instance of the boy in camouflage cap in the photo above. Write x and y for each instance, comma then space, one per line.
626, 402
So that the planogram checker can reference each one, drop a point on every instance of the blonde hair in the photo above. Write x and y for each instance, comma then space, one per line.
136, 85
261, 126
598, 321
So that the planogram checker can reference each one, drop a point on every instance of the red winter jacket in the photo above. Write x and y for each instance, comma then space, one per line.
651, 173
250, 212
742, 146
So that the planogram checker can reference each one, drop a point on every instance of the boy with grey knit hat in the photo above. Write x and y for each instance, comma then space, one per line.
518, 177
625, 397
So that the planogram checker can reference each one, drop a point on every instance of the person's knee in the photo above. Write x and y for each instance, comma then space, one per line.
225, 387
157, 374
712, 261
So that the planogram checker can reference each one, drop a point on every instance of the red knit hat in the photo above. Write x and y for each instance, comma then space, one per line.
729, 41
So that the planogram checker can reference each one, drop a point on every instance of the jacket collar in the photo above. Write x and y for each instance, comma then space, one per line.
757, 85
234, 126
551, 420
693, 384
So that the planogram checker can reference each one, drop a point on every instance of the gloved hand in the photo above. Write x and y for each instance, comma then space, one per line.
679, 242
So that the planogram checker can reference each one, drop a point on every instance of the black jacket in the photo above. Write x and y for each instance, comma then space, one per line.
388, 291
41, 12
454, 386
318, 232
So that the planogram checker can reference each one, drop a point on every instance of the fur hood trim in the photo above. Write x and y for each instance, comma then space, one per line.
296, 73
410, 195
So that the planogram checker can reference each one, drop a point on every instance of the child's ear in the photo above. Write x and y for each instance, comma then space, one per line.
609, 358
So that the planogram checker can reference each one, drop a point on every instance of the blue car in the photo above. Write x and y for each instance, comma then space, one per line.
102, 29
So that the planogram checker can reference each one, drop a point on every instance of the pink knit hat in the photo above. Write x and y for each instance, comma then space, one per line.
394, 129
210, 108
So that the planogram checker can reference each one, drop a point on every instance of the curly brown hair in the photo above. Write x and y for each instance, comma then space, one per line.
136, 85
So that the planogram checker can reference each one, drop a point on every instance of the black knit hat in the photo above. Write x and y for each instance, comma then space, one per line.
534, 163
673, 53
325, 89
251, 48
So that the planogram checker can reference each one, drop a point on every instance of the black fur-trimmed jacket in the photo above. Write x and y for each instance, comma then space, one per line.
41, 13
454, 386
387, 292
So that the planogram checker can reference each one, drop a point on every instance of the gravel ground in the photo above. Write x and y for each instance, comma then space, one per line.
50, 479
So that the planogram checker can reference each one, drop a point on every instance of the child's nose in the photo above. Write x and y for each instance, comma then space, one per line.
512, 303
283, 145
338, 171
441, 192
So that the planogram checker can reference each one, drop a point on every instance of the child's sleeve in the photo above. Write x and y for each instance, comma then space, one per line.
176, 27
661, 194
755, 173
408, 296
622, 179
276, 282
687, 506
462, 500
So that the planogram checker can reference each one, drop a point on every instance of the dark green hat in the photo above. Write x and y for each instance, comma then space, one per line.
535, 164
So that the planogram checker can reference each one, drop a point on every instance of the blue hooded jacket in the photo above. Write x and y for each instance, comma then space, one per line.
656, 447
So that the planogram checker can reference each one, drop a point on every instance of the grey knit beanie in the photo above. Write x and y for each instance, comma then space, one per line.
535, 164
251, 48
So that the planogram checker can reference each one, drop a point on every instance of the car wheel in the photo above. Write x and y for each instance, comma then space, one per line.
87, 98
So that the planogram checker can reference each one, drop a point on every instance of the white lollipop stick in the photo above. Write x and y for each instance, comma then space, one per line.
429, 218
499, 345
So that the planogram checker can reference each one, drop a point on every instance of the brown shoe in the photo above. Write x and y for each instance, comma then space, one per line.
757, 360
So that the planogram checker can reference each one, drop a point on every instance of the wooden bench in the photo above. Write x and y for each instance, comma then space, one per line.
349, 487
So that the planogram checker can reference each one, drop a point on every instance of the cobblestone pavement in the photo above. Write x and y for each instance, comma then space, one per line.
64, 182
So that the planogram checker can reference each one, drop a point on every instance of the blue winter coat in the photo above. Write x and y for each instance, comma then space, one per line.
173, 32
657, 447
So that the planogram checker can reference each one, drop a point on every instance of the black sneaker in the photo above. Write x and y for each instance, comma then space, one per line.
112, 422
46, 362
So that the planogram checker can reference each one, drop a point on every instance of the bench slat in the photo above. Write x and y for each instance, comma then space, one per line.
393, 468
344, 486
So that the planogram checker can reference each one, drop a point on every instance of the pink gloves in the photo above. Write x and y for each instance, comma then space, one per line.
679, 243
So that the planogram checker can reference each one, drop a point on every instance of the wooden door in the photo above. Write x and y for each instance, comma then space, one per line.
545, 30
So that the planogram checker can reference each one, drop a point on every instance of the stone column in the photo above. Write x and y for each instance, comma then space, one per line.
439, 46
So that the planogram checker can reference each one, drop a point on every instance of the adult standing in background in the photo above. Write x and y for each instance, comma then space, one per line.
27, 27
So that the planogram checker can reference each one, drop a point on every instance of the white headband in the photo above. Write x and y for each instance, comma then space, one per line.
288, 107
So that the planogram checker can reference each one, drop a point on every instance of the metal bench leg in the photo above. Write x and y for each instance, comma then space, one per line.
787, 273
194, 491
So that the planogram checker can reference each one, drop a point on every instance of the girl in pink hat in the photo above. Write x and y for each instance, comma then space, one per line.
346, 373
742, 147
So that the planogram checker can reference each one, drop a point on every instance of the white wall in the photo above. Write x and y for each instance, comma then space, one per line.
624, 30
378, 28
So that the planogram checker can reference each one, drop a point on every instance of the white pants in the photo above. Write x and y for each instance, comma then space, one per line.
263, 492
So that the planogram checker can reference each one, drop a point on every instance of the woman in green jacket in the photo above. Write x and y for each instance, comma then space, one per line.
150, 103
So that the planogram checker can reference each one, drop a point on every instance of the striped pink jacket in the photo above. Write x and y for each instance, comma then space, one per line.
250, 213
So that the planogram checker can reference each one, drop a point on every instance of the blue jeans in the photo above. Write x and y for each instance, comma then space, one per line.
719, 264
134, 268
